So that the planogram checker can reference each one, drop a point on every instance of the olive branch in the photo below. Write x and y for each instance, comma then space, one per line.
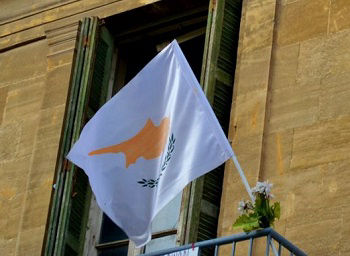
151, 183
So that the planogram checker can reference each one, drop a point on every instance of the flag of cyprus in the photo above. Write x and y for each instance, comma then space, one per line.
148, 142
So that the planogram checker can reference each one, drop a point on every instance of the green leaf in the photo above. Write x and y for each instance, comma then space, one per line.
247, 222
262, 208
172, 139
276, 208
258, 202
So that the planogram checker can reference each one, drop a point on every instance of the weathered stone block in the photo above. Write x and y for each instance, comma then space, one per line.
224, 249
324, 61
253, 71
8, 247
334, 101
285, 64
25, 36
339, 15
23, 63
50, 127
277, 151
336, 59
336, 185
293, 107
31, 241
259, 23
11, 213
307, 207
284, 2
9, 140
29, 127
36, 207
257, 3
248, 150
57, 84
12, 191
314, 239
345, 231
312, 62
317, 192
23, 8
249, 114
60, 59
292, 194
302, 20
323, 142
43, 167
14, 173
24, 101
3, 98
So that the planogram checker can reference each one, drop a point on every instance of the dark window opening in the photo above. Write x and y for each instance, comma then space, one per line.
139, 35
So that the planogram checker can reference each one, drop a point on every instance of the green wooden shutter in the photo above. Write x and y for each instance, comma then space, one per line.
102, 70
217, 78
89, 83
78, 214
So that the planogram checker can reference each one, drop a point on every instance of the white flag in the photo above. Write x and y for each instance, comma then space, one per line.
148, 142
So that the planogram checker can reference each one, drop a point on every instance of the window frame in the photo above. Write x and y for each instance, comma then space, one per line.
92, 245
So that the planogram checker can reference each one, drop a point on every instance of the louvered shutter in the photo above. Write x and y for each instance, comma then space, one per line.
89, 83
217, 77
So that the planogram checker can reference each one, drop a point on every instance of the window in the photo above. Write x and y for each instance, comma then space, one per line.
109, 54
133, 51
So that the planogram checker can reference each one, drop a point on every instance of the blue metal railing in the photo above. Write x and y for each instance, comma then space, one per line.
270, 234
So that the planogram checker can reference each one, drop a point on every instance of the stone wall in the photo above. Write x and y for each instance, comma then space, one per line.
22, 86
290, 119
37, 43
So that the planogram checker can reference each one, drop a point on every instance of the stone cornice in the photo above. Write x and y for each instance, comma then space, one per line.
78, 9
62, 38
37, 26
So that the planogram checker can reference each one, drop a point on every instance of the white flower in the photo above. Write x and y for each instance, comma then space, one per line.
263, 188
241, 206
244, 206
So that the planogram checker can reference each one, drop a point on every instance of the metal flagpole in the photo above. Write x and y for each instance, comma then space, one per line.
244, 179
249, 190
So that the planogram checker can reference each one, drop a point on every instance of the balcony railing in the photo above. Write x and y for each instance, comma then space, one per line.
272, 238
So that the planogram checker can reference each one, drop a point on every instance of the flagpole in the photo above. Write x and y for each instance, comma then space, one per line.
244, 179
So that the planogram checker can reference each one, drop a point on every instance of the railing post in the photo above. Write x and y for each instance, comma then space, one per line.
274, 250
279, 249
216, 250
251, 246
268, 238
233, 248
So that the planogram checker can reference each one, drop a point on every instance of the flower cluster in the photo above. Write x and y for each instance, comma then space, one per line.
263, 188
244, 206
258, 214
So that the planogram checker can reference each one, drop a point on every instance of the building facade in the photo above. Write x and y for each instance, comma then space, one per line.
278, 79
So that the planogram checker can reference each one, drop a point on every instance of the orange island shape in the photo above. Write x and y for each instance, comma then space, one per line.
148, 143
